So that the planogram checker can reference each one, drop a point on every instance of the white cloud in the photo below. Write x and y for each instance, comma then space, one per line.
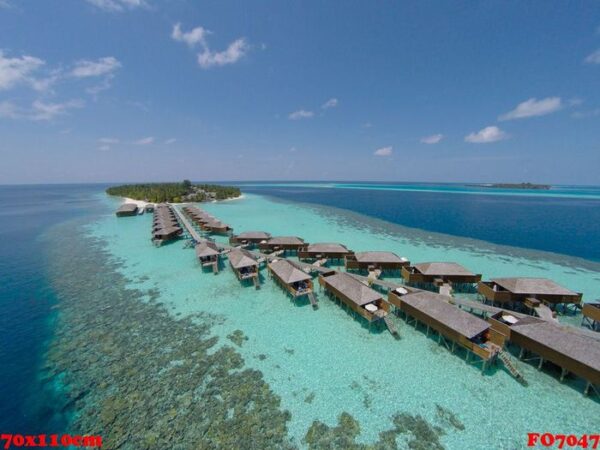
433, 139
208, 58
383, 151
108, 140
170, 141
191, 38
5, 4
331, 103
145, 141
39, 110
532, 108
486, 135
104, 148
593, 58
102, 66
15, 71
117, 5
301, 114
236, 50
48, 111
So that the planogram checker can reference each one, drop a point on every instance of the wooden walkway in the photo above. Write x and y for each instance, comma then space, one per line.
188, 226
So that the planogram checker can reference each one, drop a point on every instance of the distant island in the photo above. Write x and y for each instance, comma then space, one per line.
517, 186
175, 192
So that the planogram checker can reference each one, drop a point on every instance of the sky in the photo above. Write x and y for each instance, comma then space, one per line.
149, 90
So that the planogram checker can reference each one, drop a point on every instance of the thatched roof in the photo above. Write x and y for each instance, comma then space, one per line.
566, 340
240, 258
378, 257
127, 207
326, 247
353, 289
435, 306
532, 286
207, 248
166, 231
288, 271
442, 269
263, 235
285, 240
216, 224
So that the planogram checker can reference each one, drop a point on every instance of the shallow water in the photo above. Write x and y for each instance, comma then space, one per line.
322, 363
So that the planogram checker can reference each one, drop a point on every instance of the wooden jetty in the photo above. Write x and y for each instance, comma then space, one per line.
569, 348
375, 260
278, 243
208, 254
245, 265
454, 326
591, 316
293, 279
321, 250
438, 274
357, 297
127, 209
528, 292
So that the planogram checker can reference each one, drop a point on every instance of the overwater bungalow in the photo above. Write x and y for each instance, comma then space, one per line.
166, 234
208, 254
375, 260
451, 324
127, 209
528, 291
217, 227
361, 299
278, 243
324, 250
573, 350
245, 265
249, 238
438, 274
149, 207
591, 316
293, 279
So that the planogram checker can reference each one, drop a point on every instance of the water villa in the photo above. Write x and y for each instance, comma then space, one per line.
281, 243
591, 316
217, 227
127, 209
245, 265
294, 280
165, 226
208, 254
149, 207
375, 260
528, 291
323, 250
453, 325
439, 274
359, 298
249, 238
574, 351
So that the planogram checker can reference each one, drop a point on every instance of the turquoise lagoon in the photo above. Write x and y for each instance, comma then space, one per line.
322, 363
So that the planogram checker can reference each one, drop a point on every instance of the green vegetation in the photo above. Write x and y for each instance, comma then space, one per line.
175, 192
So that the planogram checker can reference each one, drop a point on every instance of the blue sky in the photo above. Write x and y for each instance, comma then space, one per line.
149, 90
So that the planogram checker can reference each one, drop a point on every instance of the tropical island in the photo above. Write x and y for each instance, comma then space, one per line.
517, 186
185, 191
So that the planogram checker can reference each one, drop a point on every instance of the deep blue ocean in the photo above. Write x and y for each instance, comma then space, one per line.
26, 299
563, 225
568, 225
